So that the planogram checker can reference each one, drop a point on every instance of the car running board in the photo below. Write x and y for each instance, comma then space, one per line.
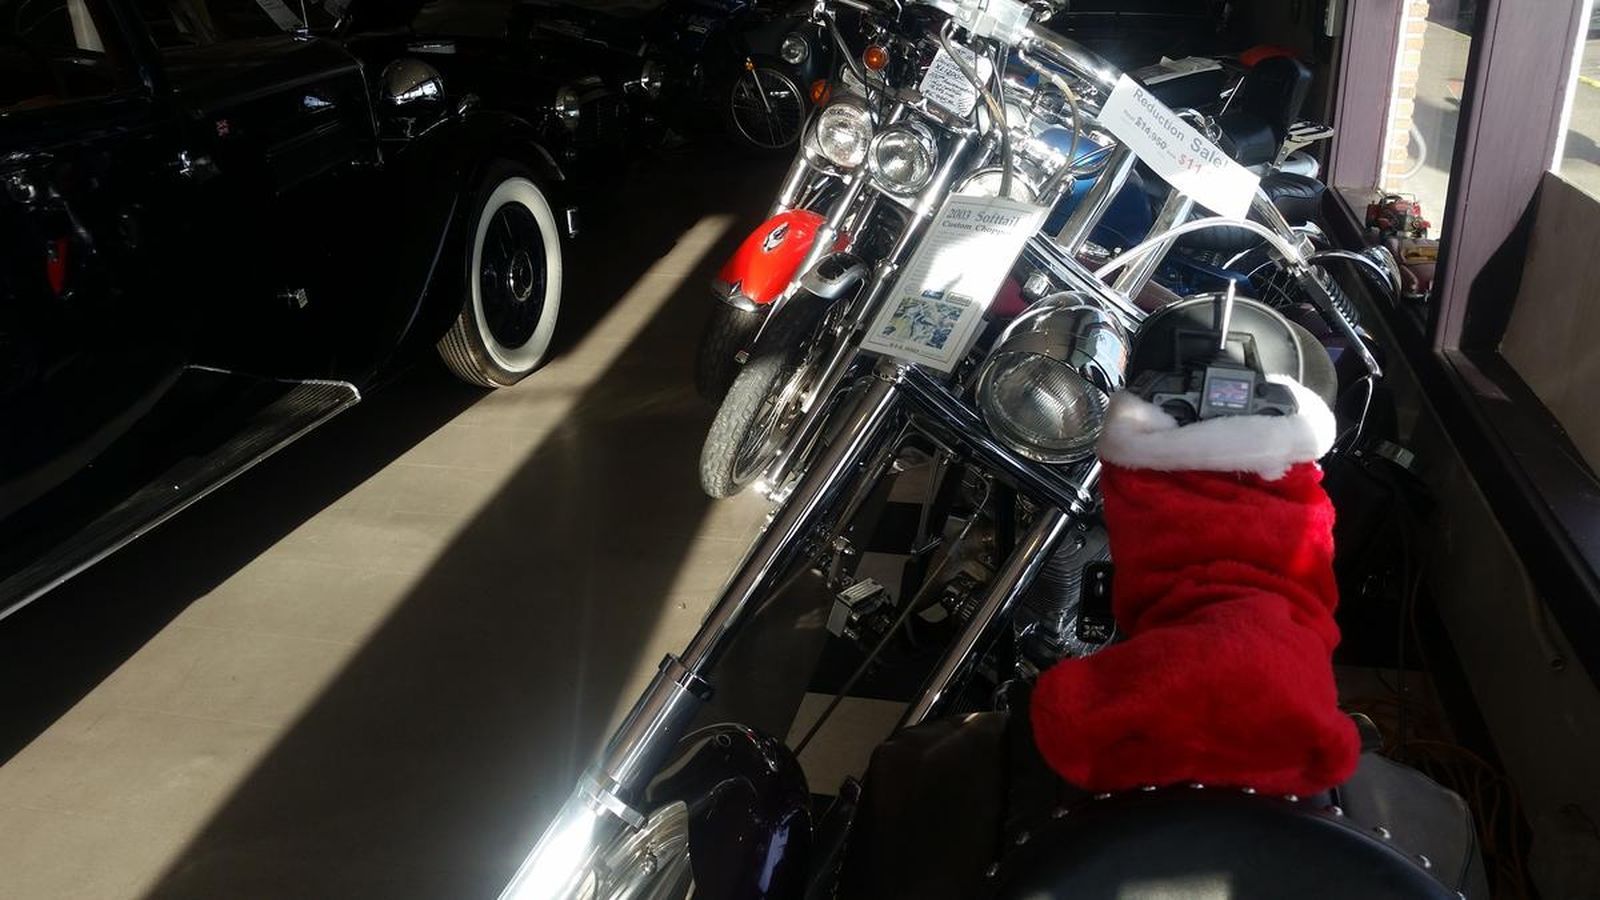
246, 419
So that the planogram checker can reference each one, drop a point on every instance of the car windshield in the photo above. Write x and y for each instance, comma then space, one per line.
199, 23
52, 51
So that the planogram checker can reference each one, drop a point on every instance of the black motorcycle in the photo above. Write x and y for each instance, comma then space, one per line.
995, 588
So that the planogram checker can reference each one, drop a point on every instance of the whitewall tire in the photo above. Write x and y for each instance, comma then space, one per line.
513, 269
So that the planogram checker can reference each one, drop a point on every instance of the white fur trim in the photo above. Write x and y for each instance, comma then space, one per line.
1139, 435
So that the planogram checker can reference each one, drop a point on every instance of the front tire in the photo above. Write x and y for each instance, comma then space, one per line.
765, 110
764, 400
728, 331
512, 291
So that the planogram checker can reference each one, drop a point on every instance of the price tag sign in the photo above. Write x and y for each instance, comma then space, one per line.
946, 85
1173, 149
933, 312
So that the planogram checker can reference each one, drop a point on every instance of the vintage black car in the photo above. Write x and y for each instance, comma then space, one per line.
220, 223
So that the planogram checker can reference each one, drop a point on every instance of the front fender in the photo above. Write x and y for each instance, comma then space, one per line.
768, 261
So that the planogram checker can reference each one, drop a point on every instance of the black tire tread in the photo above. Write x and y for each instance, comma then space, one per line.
756, 378
728, 330
461, 348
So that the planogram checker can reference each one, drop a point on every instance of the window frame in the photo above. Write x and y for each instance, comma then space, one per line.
1514, 112
141, 80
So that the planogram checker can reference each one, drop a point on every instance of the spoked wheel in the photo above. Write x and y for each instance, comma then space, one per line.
765, 401
766, 109
513, 282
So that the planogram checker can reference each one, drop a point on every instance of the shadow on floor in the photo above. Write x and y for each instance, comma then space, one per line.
428, 766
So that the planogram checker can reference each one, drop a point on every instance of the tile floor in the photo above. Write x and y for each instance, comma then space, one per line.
372, 666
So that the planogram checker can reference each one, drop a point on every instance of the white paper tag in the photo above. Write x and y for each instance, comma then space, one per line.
933, 312
1173, 149
946, 85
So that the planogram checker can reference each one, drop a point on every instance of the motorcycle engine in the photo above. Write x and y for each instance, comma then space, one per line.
1047, 619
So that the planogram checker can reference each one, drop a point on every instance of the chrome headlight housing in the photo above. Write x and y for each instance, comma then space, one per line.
568, 107
1044, 389
794, 49
902, 157
985, 182
652, 78
411, 83
840, 135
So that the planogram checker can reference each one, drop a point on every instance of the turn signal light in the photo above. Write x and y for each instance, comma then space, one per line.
875, 58
821, 91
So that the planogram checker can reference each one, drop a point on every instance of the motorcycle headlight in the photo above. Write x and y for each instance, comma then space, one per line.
794, 49
568, 107
902, 158
840, 135
1043, 390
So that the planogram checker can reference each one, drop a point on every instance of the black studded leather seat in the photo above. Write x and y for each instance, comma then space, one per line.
963, 807
1210, 845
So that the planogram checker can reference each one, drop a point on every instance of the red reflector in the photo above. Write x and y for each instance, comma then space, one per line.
875, 58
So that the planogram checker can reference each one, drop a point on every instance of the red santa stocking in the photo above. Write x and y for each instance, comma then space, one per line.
1222, 540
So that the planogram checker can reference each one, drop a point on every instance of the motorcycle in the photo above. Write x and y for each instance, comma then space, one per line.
1010, 424
773, 356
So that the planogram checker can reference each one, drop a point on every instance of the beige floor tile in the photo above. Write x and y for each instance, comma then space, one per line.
246, 677
844, 745
282, 596
151, 770
53, 855
380, 541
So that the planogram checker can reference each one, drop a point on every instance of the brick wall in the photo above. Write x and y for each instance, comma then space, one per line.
1413, 25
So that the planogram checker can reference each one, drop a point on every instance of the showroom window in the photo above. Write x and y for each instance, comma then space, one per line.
1491, 119
52, 53
1578, 153
1425, 102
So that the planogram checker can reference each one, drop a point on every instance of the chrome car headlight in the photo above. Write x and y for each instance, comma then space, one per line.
840, 134
411, 82
794, 49
1043, 390
569, 107
652, 78
902, 158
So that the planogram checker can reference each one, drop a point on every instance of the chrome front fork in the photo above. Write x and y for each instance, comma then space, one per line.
663, 713
606, 797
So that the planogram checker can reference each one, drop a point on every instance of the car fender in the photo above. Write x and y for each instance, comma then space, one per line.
438, 173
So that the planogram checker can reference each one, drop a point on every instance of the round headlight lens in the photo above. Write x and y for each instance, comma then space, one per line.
842, 133
793, 49
1040, 407
902, 158
568, 107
